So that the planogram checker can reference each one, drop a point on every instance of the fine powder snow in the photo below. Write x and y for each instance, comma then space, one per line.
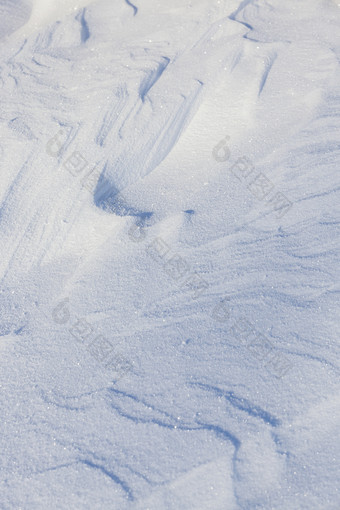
169, 254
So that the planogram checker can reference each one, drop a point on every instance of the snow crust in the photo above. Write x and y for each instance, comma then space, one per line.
169, 254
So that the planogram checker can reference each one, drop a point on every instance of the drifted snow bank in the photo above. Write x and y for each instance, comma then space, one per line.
169, 255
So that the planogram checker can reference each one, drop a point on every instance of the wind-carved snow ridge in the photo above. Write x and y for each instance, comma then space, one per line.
85, 33
241, 7
268, 65
141, 152
112, 201
151, 77
112, 476
112, 115
242, 404
135, 9
145, 149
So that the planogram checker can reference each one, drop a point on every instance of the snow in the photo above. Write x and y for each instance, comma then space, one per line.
169, 219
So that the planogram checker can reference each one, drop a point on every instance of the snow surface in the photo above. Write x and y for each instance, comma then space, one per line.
169, 219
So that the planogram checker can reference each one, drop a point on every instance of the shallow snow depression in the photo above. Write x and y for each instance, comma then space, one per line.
169, 220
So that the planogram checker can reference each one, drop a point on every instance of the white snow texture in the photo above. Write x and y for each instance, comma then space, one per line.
169, 254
